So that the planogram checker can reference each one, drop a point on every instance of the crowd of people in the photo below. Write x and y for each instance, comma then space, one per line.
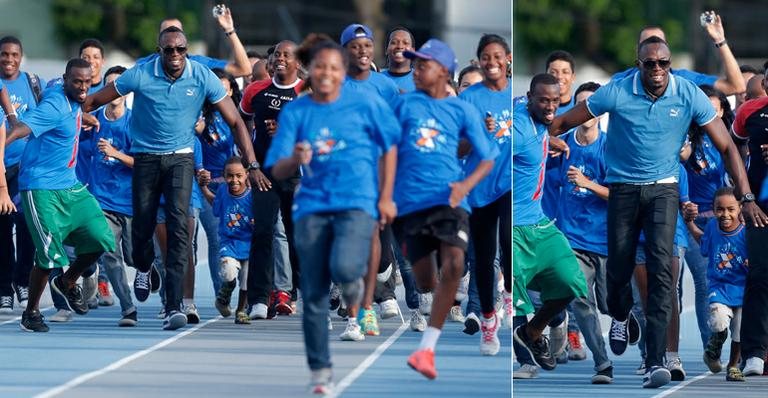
605, 222
316, 178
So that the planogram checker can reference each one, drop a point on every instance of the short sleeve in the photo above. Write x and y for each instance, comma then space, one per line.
198, 155
603, 100
474, 131
387, 129
214, 90
128, 81
43, 118
285, 137
702, 111
210, 63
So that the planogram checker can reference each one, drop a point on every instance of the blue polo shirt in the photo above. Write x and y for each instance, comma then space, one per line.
166, 111
49, 158
645, 136
22, 100
695, 77
376, 83
403, 81
347, 137
728, 263
496, 103
530, 147
209, 62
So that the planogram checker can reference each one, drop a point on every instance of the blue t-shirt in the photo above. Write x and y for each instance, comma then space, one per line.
347, 137
49, 159
695, 77
728, 263
235, 215
582, 215
499, 181
708, 175
209, 62
375, 83
110, 181
427, 159
196, 198
530, 145
403, 81
22, 100
645, 136
87, 142
218, 145
167, 110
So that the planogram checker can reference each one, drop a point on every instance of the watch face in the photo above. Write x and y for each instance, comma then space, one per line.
749, 197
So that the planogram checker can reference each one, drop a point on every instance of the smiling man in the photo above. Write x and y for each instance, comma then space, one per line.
168, 94
650, 112
57, 207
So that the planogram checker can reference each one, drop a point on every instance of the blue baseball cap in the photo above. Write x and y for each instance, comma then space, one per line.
355, 31
435, 50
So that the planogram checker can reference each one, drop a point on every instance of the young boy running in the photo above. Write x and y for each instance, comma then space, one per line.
232, 205
429, 190
723, 241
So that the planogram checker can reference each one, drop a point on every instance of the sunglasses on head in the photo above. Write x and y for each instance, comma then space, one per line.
651, 63
171, 50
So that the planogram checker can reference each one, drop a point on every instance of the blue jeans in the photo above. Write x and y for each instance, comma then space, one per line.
210, 225
283, 281
331, 247
697, 264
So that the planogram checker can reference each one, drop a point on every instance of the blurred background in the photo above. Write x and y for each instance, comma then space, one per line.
602, 34
51, 30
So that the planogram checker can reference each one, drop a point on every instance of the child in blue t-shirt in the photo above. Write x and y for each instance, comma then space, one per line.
233, 207
723, 241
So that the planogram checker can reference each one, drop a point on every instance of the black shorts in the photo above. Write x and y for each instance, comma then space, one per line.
422, 232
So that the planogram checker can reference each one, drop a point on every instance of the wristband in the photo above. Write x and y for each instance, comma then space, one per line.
229, 33
720, 44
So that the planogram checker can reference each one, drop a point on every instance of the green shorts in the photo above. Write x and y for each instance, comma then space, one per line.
61, 217
542, 260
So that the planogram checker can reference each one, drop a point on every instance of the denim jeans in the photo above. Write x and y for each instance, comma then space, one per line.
585, 309
15, 260
170, 176
754, 316
331, 247
283, 280
113, 263
653, 209
210, 224
697, 264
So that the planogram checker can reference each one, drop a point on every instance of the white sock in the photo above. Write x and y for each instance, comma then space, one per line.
429, 338
352, 321
187, 301
672, 355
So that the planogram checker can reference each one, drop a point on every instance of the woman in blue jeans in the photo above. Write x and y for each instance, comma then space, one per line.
336, 139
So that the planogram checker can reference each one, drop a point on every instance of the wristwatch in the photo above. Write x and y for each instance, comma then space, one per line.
255, 166
748, 197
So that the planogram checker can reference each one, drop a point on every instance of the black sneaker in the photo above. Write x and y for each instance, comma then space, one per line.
633, 329
656, 377
72, 296
174, 320
334, 299
142, 285
6, 305
538, 350
604, 376
128, 320
618, 336
155, 280
471, 324
33, 322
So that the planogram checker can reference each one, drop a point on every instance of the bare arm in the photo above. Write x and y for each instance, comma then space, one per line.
6, 204
576, 177
242, 65
101, 97
574, 117
19, 131
733, 82
694, 230
5, 102
203, 178
243, 141
107, 149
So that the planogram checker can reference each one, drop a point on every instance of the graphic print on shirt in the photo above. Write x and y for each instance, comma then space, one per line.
578, 191
73, 160
503, 123
427, 137
237, 218
728, 258
325, 144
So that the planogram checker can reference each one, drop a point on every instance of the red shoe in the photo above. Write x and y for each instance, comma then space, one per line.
283, 303
423, 361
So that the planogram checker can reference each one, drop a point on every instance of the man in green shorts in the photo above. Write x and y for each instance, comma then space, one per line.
542, 258
58, 208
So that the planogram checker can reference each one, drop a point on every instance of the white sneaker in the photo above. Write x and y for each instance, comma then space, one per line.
383, 276
330, 324
321, 382
526, 372
388, 308
352, 332
191, 312
558, 337
418, 323
489, 338
455, 314
61, 316
507, 298
461, 292
754, 367
425, 303
90, 287
259, 311
398, 277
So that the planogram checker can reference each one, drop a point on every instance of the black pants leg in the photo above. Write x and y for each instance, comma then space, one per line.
261, 265
754, 317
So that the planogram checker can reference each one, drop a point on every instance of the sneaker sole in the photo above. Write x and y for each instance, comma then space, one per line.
175, 322
602, 380
524, 375
6, 311
493, 350
154, 276
658, 379
126, 323
387, 315
31, 330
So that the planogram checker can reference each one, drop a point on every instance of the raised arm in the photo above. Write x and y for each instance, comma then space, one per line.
242, 65
101, 97
733, 82
243, 140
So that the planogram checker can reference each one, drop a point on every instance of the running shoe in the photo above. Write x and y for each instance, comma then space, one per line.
461, 292
352, 332
61, 316
425, 303
388, 308
33, 322
618, 337
455, 315
423, 361
283, 303
334, 300
193, 316
634, 332
128, 320
174, 320
258, 311
604, 376
155, 280
22, 295
675, 367
754, 367
141, 286
6, 305
558, 337
526, 371
105, 297
418, 322
576, 351
471, 324
368, 322
489, 339
538, 350
73, 296
321, 381
90, 288
242, 318
656, 376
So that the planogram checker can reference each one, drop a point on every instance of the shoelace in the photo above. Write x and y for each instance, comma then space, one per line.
6, 301
489, 331
574, 341
142, 280
618, 331
23, 293
103, 289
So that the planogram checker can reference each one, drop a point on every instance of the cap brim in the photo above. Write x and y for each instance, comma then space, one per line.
415, 54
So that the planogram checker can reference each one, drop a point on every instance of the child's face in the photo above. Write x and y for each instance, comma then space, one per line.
236, 177
727, 210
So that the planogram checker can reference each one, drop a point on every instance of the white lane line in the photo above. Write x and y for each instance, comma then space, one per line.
358, 371
120, 363
681, 385
18, 318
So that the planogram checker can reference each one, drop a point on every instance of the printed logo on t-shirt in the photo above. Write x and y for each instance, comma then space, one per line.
728, 258
236, 218
325, 144
427, 137
503, 121
580, 191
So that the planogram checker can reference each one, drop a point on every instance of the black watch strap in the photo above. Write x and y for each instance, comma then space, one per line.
748, 197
